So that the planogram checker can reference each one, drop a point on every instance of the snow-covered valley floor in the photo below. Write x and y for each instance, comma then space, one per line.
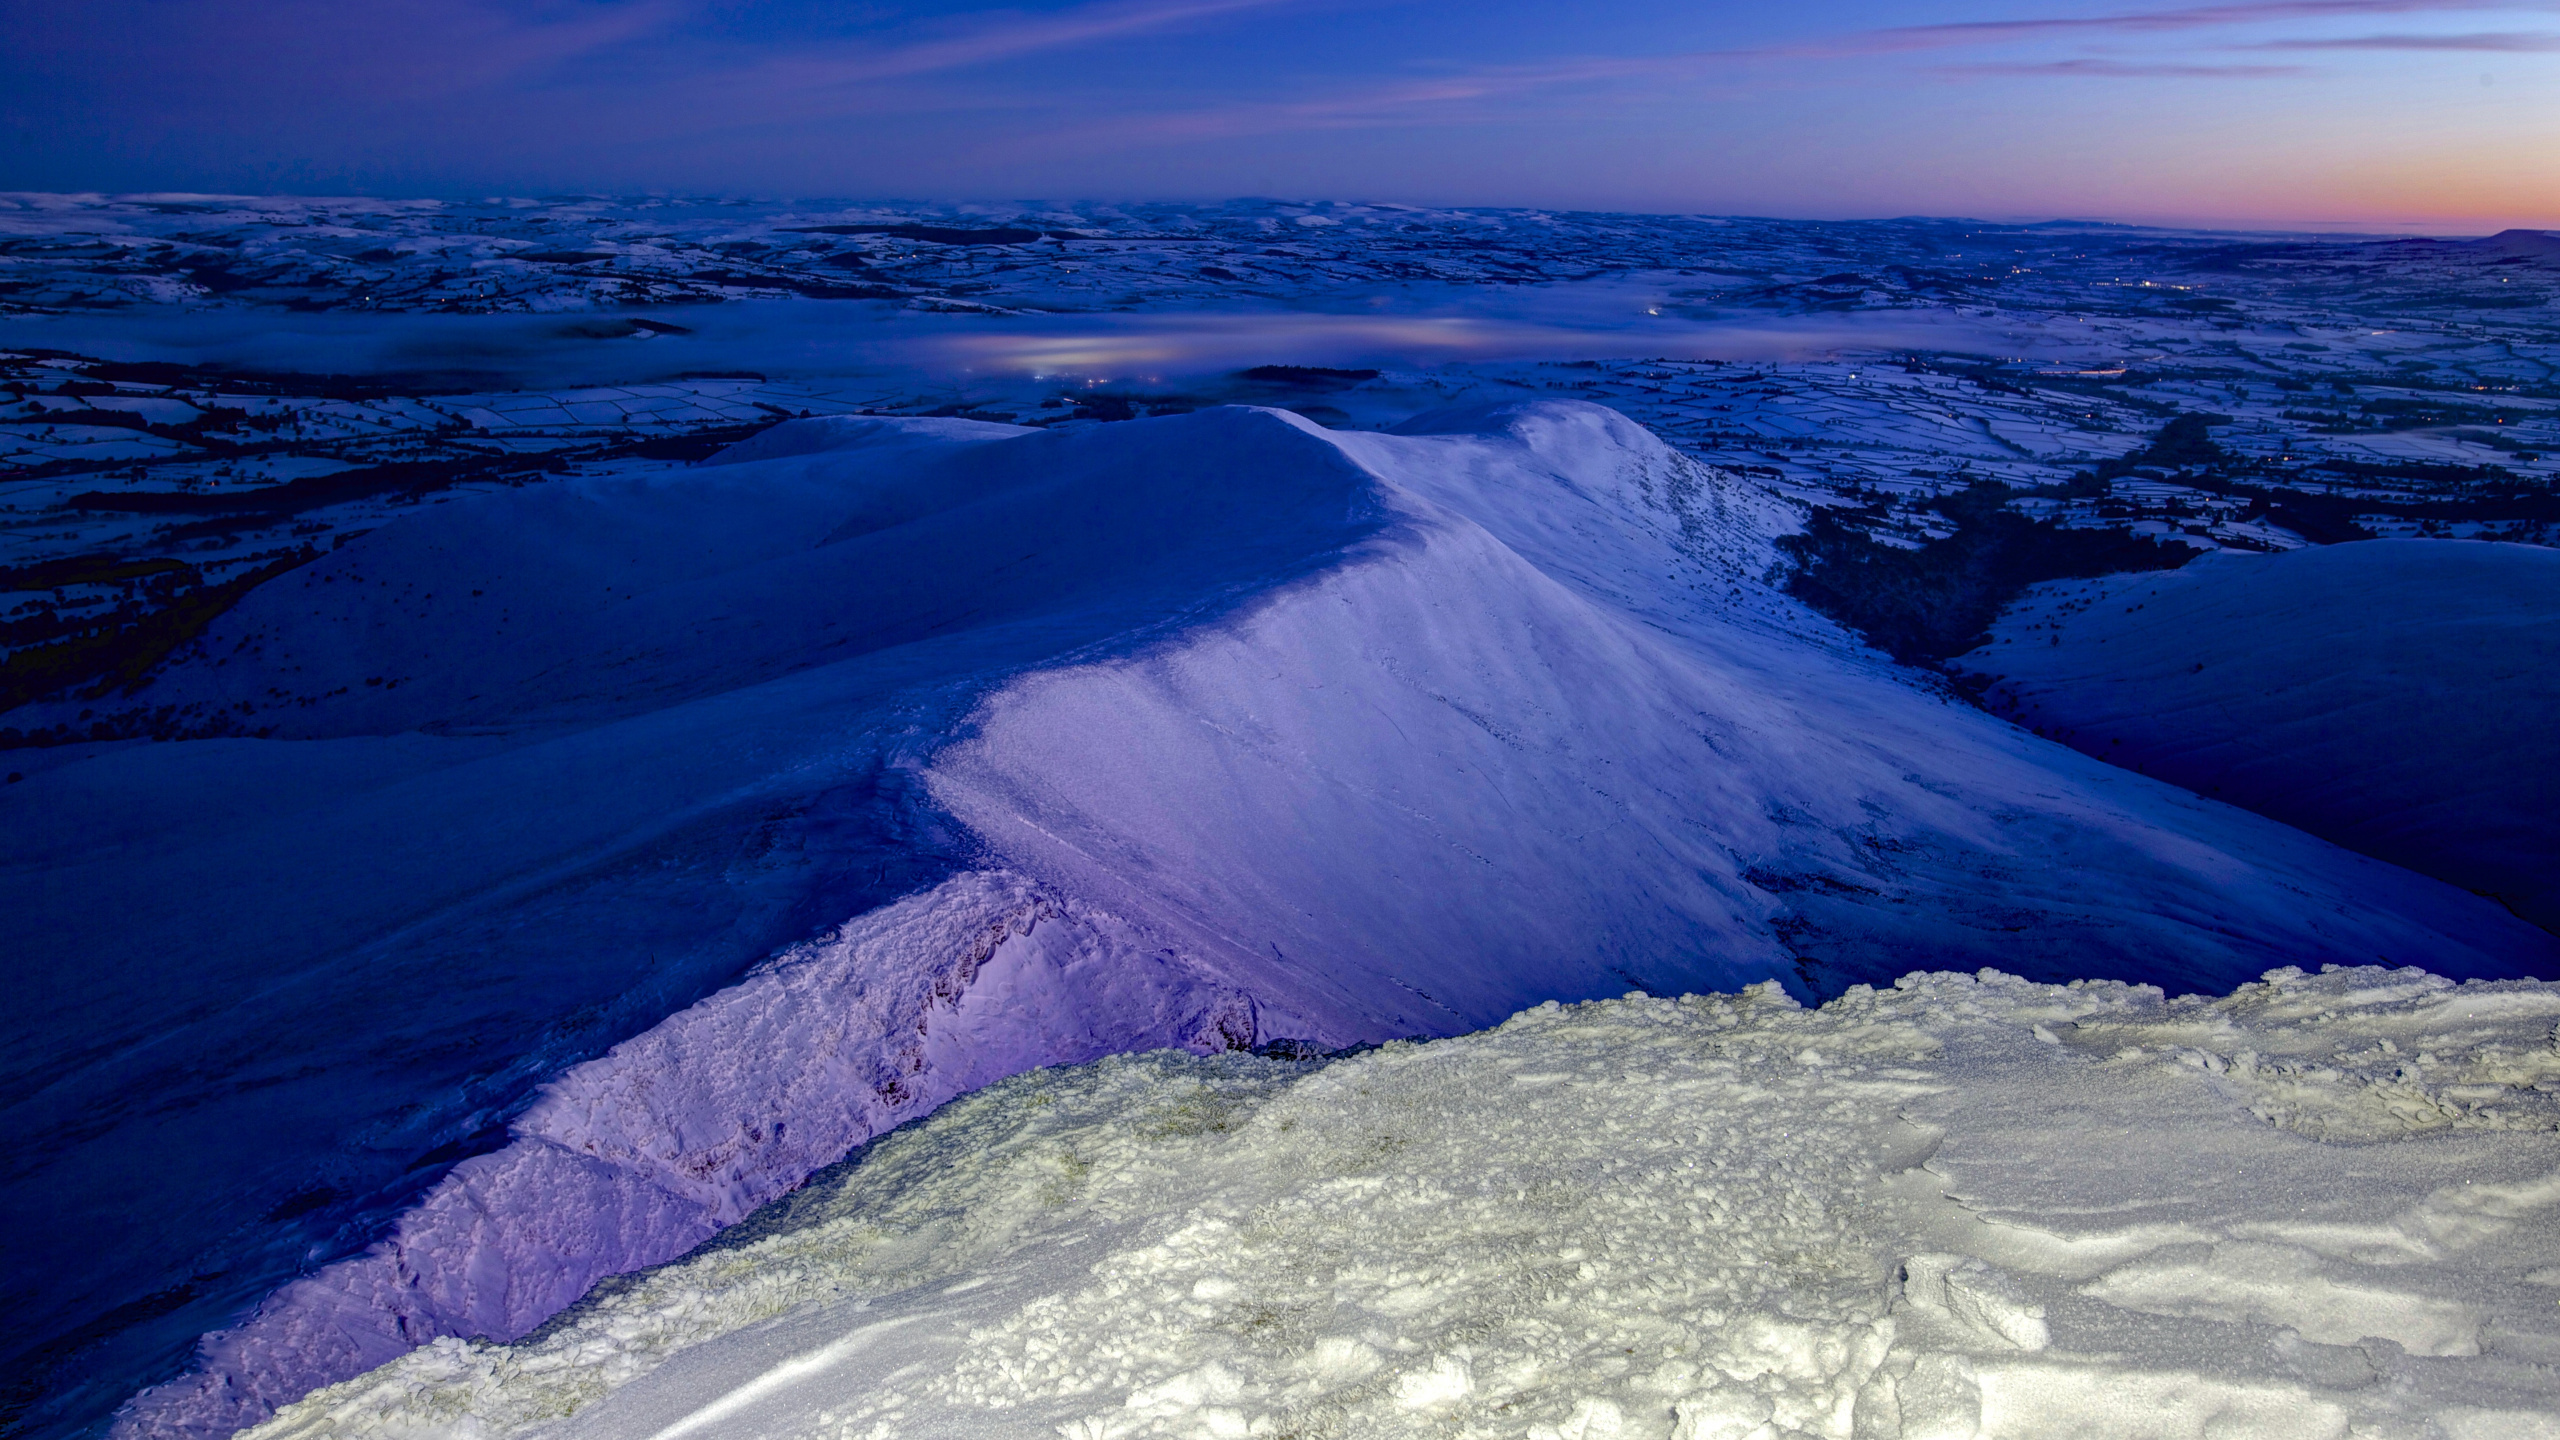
1954, 1207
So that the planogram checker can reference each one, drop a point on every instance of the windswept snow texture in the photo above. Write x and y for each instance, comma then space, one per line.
2396, 697
1212, 730
1957, 1207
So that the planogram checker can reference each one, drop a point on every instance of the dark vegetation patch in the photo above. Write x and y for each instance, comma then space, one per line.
802, 285
971, 412
2000, 378
1938, 600
2318, 519
115, 650
85, 570
2415, 414
2185, 440
264, 502
2417, 470
250, 381
1122, 405
199, 432
1922, 606
2303, 498
690, 446
620, 329
936, 234
1308, 377
396, 477
69, 648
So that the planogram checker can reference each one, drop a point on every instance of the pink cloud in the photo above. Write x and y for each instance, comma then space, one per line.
1007, 36
2198, 17
1401, 100
2127, 70
2508, 42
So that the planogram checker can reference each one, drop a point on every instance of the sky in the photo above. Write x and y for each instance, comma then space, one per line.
2438, 115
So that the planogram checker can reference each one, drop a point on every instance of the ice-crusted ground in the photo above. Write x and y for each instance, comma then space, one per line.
2324, 1206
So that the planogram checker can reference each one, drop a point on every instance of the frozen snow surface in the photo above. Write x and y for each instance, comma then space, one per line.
2325, 1206
1250, 732
2395, 697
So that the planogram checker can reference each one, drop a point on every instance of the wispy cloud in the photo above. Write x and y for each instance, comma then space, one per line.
284, 53
2508, 42
817, 83
1406, 100
1356, 108
410, 52
2126, 70
990, 39
2136, 22
519, 40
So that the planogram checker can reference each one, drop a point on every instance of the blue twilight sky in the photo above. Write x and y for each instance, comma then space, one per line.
2423, 113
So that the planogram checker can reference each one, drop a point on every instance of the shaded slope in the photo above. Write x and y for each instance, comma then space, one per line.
2394, 696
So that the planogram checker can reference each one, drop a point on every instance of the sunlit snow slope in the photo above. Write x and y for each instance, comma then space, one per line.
2395, 696
2326, 1206
1213, 731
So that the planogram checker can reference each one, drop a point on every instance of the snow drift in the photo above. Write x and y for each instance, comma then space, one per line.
1960, 1206
1226, 731
2394, 696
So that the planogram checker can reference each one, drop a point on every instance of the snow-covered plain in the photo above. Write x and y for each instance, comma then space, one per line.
2395, 696
1272, 734
2326, 1206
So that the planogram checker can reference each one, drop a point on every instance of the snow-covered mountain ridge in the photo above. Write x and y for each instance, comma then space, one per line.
1247, 731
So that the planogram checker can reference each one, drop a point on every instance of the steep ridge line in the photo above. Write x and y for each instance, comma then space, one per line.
1512, 715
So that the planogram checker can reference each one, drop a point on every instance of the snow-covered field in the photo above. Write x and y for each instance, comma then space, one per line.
468, 835
1956, 1207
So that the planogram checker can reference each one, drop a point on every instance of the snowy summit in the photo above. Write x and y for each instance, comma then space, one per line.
1956, 1207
